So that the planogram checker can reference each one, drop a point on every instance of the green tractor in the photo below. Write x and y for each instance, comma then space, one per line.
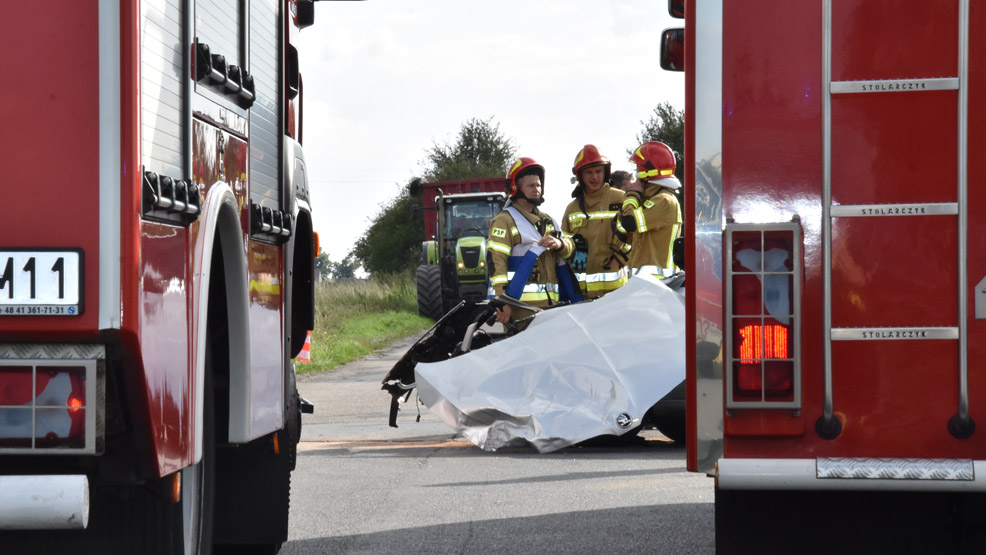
453, 262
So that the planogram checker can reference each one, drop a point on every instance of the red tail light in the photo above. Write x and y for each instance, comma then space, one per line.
749, 379
759, 342
762, 277
44, 404
15, 386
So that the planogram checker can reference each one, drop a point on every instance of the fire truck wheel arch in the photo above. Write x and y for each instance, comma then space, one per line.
222, 224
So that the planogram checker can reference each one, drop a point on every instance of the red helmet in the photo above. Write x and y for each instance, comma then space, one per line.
654, 160
589, 156
523, 166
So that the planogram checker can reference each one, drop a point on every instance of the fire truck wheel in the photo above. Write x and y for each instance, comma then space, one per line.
292, 415
198, 493
198, 483
428, 278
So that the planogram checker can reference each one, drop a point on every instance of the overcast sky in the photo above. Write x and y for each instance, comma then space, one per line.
384, 79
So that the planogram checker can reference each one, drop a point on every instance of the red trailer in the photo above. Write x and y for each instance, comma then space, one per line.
836, 220
156, 274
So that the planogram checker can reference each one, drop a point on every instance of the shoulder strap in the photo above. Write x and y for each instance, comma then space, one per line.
529, 235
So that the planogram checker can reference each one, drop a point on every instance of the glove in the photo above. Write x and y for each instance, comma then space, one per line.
581, 255
579, 260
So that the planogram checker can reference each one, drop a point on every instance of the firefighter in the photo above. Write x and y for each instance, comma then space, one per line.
526, 248
651, 211
620, 179
592, 221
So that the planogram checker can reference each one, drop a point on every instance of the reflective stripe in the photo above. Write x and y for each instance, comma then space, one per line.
603, 281
499, 247
638, 213
535, 297
598, 215
632, 201
498, 279
513, 231
536, 287
652, 270
620, 228
603, 276
653, 173
669, 263
606, 285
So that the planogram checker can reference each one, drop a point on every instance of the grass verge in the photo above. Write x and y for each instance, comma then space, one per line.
354, 318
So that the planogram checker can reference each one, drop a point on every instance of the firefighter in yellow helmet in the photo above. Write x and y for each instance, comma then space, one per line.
651, 210
526, 248
592, 221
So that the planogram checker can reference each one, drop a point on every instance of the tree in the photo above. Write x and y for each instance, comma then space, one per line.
480, 150
392, 243
667, 124
323, 266
393, 240
336, 271
341, 271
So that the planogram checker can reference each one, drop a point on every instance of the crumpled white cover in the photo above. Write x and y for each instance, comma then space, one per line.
569, 376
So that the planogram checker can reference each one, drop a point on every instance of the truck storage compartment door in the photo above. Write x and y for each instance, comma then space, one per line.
895, 227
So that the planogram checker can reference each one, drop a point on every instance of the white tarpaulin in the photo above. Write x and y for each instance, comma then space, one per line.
575, 373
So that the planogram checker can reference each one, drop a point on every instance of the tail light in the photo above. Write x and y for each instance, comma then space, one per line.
763, 300
47, 405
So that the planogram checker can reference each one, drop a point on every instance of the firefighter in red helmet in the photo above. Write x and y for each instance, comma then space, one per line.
651, 210
526, 248
592, 220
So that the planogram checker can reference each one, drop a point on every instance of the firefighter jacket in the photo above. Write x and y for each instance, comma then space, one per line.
507, 249
654, 221
597, 220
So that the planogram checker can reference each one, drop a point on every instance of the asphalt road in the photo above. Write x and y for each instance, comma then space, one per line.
363, 487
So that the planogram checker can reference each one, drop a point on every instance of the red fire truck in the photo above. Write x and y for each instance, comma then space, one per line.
835, 234
156, 274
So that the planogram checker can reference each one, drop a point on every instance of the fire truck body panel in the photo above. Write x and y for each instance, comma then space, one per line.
129, 159
703, 261
70, 62
871, 159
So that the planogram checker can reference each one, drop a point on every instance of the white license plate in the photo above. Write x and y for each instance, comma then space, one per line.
40, 282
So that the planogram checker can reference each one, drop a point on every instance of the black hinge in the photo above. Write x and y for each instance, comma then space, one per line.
269, 224
230, 81
168, 200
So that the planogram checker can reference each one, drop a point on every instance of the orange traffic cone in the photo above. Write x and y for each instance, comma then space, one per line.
306, 351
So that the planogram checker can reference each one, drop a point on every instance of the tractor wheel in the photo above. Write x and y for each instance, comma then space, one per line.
428, 278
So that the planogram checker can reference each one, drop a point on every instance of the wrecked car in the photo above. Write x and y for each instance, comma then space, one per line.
554, 377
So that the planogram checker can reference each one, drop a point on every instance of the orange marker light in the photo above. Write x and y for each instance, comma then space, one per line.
176, 487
